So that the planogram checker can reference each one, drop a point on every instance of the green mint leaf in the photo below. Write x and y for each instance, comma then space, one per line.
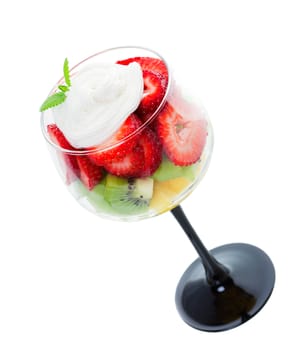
59, 97
63, 88
53, 100
67, 72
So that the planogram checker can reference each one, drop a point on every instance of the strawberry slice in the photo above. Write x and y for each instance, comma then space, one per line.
183, 135
131, 124
70, 161
154, 65
127, 166
152, 95
90, 173
142, 161
77, 166
152, 152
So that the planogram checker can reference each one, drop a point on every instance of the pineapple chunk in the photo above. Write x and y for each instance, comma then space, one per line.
165, 193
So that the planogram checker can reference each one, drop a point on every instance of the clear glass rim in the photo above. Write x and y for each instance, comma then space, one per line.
137, 131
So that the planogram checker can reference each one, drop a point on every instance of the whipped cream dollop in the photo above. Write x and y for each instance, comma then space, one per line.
100, 99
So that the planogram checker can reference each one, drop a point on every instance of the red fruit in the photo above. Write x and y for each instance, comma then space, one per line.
154, 65
90, 173
152, 152
152, 95
183, 136
142, 161
127, 166
131, 124
70, 161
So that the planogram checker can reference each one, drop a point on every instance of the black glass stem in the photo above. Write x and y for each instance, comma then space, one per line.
215, 272
224, 287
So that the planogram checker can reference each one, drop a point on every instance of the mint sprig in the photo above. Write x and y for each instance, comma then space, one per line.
60, 96
67, 72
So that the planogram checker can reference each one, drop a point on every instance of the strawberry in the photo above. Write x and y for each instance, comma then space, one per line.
127, 166
142, 161
152, 152
90, 173
183, 135
152, 95
131, 124
70, 161
154, 65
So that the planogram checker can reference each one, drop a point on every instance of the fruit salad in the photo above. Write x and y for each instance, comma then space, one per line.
127, 142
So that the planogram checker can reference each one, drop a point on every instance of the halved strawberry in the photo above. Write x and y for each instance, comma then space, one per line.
128, 165
152, 152
154, 65
131, 124
183, 135
90, 173
142, 161
70, 161
152, 95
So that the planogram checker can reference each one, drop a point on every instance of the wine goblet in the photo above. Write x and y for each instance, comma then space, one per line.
148, 165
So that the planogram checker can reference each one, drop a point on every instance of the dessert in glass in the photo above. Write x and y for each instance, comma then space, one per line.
131, 141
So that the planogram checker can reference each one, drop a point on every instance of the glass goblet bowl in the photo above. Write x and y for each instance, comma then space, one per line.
138, 194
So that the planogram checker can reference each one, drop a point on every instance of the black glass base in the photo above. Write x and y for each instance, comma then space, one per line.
224, 305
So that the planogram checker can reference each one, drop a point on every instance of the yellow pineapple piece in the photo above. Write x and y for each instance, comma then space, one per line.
165, 192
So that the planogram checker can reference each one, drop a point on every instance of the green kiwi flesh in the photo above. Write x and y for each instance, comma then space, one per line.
128, 196
95, 197
167, 171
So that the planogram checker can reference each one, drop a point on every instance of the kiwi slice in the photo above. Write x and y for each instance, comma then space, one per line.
128, 196
167, 171
97, 200
95, 197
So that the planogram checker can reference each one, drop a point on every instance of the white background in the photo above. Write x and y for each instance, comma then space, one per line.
70, 280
